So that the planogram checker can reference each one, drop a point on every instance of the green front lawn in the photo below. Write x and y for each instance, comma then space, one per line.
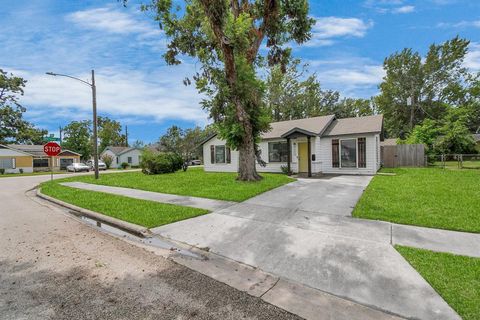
429, 197
142, 212
194, 182
455, 278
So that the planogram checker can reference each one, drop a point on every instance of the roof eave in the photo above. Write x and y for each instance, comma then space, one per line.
351, 133
299, 130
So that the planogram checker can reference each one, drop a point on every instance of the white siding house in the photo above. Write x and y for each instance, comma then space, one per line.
337, 146
132, 156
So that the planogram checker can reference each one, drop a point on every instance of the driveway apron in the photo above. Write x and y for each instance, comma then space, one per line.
303, 232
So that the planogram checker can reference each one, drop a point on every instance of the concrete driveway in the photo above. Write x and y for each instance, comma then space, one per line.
302, 231
335, 195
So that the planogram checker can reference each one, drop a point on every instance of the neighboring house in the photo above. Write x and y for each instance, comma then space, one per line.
311, 146
13, 160
31, 158
132, 156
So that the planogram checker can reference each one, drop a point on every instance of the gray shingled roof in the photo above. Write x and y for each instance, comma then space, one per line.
117, 150
120, 150
315, 125
368, 124
476, 137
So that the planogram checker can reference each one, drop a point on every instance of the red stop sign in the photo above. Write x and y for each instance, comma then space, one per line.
52, 149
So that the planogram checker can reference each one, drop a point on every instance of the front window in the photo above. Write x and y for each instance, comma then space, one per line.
348, 153
6, 163
277, 152
40, 163
219, 154
129, 159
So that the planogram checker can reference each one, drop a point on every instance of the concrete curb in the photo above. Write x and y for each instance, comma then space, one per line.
289, 295
123, 225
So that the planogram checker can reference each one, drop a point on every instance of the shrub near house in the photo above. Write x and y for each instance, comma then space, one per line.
156, 162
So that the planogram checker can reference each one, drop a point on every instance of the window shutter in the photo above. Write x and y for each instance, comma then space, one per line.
229, 155
335, 154
362, 154
212, 154
14, 163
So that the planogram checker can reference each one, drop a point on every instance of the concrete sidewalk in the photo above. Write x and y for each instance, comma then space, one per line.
201, 203
346, 262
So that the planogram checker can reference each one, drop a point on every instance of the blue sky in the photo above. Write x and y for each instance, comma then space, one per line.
136, 87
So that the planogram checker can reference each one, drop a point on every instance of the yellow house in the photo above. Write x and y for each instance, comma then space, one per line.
13, 161
31, 158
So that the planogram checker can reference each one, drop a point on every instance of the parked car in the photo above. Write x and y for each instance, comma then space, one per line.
101, 165
78, 167
195, 162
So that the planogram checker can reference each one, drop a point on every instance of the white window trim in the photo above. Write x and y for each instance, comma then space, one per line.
224, 154
268, 150
356, 152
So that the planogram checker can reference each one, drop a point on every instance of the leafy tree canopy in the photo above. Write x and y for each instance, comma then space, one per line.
78, 138
13, 128
294, 95
431, 84
109, 133
184, 142
225, 37
446, 136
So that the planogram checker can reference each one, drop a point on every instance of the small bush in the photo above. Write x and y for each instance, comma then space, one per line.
124, 165
108, 159
285, 170
2, 171
20, 170
156, 163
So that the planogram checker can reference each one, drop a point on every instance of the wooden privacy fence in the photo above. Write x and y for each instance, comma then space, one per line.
403, 155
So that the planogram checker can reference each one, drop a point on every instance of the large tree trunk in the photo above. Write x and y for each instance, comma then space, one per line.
247, 170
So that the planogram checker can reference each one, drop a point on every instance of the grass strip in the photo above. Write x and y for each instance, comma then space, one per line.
456, 278
141, 212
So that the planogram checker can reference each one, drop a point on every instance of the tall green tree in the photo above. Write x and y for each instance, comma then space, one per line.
429, 85
172, 140
13, 128
291, 95
78, 138
109, 133
185, 143
351, 107
225, 37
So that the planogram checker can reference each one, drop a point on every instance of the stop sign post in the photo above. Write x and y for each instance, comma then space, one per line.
51, 149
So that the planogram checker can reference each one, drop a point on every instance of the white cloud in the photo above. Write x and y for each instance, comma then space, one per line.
112, 21
472, 60
328, 28
404, 9
460, 24
351, 76
389, 6
122, 93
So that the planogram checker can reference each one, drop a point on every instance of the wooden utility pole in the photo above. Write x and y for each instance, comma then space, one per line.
95, 123
126, 136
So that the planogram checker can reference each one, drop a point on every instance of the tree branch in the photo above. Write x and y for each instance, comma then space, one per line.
270, 10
